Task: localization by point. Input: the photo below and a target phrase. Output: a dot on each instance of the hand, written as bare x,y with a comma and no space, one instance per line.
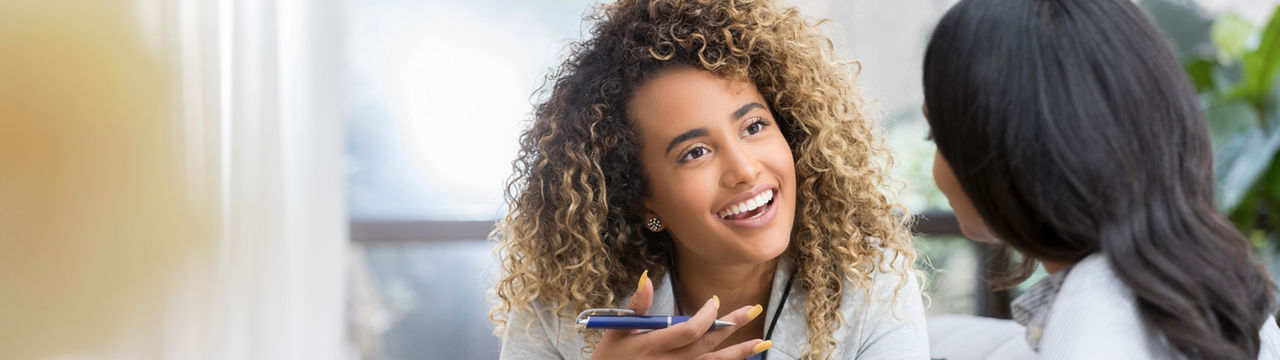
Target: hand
691,339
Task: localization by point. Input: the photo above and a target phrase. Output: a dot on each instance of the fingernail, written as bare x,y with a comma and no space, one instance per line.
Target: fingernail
761,347
643,276
716,299
754,312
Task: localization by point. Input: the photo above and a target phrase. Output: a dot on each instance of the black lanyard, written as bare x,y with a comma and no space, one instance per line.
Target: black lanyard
777,313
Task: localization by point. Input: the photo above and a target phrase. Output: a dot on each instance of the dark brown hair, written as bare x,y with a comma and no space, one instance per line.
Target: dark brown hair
1074,130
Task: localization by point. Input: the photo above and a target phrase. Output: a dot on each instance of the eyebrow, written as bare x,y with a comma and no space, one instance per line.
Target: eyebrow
742,111
700,132
695,133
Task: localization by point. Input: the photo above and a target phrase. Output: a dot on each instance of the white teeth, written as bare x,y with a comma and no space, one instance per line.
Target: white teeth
748,205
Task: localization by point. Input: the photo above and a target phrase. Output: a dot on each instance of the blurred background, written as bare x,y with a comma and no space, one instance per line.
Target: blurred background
339,164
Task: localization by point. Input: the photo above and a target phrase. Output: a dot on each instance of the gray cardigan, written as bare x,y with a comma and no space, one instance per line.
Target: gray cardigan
875,328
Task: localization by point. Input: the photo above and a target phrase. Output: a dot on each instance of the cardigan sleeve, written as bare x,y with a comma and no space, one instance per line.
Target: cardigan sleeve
892,324
531,335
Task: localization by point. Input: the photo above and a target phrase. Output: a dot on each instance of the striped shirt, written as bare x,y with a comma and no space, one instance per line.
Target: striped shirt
1031,309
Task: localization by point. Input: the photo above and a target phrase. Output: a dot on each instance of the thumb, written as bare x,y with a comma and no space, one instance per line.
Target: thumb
643,297
639,303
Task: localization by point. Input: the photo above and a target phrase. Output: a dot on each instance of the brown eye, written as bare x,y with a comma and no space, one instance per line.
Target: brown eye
694,154
756,127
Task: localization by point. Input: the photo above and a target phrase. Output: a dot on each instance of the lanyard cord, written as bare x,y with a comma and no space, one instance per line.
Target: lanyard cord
777,313
768,335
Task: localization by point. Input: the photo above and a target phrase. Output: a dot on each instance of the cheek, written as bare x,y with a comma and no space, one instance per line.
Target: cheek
683,197
941,174
778,155
971,224
945,178
780,166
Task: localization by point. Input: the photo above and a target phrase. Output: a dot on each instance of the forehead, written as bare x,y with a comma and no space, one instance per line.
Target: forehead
678,99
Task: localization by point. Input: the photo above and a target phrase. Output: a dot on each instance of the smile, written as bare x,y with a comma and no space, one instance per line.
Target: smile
751,210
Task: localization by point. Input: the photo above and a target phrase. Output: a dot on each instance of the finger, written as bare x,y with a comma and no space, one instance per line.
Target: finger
643,297
712,338
682,334
740,350
639,303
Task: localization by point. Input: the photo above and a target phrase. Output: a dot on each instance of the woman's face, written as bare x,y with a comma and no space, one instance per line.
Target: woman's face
721,176
971,224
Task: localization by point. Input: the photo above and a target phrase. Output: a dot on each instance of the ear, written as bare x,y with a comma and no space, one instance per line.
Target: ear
651,220
645,210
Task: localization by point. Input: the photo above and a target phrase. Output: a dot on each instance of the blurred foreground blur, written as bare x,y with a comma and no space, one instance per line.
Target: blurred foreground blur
168,188
94,208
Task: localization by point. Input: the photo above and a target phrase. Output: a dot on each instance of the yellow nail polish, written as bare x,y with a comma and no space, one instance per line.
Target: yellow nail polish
761,347
643,276
754,312
716,300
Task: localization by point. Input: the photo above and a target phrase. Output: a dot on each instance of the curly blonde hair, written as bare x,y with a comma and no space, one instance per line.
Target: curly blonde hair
573,198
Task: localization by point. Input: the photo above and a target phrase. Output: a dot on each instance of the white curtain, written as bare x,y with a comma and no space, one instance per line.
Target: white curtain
257,88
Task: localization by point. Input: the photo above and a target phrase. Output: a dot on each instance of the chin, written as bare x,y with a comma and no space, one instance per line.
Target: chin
770,249
978,234
751,252
776,241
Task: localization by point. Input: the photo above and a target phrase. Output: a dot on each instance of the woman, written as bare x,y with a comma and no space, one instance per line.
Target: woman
1067,130
719,148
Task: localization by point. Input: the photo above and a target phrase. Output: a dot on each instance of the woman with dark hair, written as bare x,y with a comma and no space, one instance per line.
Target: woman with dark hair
1067,130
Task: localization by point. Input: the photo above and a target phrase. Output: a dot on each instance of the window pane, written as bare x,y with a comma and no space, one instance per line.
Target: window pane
435,97
424,300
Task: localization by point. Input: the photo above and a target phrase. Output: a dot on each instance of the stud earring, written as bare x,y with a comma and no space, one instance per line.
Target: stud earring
655,225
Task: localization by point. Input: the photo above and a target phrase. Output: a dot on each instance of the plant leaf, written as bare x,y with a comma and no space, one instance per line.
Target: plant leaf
1228,119
1230,32
1262,63
1201,73
1242,159
1184,23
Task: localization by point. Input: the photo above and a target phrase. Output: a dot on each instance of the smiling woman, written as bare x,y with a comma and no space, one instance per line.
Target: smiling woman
705,186
721,147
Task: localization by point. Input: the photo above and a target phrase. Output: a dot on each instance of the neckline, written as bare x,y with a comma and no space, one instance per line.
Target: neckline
777,313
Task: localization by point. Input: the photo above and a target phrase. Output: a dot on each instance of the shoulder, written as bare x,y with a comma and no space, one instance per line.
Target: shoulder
540,334
1270,337
1092,285
881,319
893,282
1094,316
886,318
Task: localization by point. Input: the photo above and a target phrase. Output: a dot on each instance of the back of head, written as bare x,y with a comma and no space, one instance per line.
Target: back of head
1070,125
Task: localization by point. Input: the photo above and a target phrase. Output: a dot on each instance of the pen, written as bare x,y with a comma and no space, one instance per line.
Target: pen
640,322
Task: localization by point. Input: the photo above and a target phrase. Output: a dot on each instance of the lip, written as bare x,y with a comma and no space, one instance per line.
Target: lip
760,221
759,189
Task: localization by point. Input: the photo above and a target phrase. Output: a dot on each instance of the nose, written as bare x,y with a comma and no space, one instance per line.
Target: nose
740,166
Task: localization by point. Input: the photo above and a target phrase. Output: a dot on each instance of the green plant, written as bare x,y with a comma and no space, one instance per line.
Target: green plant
1233,65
